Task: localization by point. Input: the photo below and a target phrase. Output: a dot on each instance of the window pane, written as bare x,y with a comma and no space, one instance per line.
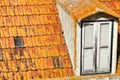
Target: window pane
88,61
104,34
104,60
88,34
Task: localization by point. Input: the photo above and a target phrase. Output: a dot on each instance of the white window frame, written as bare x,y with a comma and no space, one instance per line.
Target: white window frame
96,33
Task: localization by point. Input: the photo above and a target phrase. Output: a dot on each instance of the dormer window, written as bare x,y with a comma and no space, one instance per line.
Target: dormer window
96,47
18,41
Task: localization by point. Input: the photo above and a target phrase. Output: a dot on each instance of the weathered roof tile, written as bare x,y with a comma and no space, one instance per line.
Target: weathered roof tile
80,9
12,31
1,21
34,10
24,20
10,10
13,2
57,28
50,63
49,29
37,22
4,2
26,53
43,52
3,11
63,50
66,61
6,32
22,2
15,20
41,63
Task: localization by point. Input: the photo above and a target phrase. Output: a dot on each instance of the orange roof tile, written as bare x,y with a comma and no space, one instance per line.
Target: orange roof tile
37,22
80,9
114,5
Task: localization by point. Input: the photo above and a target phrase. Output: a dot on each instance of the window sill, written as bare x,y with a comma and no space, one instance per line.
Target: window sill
99,76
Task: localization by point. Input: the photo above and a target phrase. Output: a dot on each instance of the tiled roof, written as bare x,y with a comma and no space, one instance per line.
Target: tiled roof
80,9
114,5
44,54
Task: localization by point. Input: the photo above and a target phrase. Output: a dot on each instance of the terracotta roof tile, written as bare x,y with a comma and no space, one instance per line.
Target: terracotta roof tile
43,52
22,2
43,19
34,10
26,53
8,21
57,28
16,20
36,41
34,20
49,63
19,10
53,51
27,10
12,31
42,74
62,40
2,32
69,71
66,61
37,22
24,20
40,63
21,31
49,29
41,30
6,32
10,10
30,30
3,11
52,9
16,53
4,2
13,2
7,43
63,50
82,8
33,53
27,41
1,21
28,75
10,75
2,43
113,5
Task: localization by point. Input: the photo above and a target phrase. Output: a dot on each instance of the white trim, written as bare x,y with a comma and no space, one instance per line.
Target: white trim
114,50
78,49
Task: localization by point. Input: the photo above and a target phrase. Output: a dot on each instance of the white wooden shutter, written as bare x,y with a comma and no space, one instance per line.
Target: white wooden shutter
103,49
88,64
96,47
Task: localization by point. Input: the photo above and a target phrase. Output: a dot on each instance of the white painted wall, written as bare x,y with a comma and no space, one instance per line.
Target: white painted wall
115,38
78,49
68,29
